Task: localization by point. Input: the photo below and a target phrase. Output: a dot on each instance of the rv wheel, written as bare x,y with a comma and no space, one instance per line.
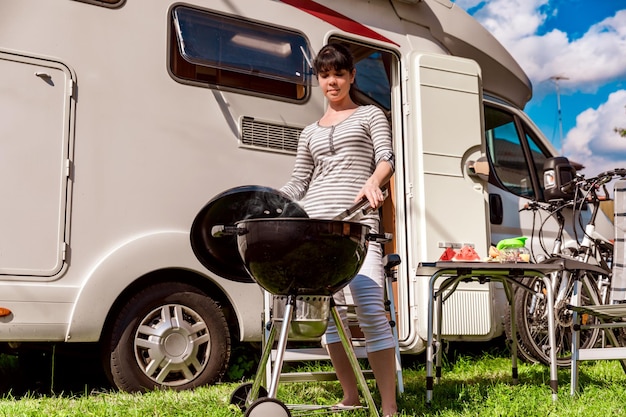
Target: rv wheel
169,335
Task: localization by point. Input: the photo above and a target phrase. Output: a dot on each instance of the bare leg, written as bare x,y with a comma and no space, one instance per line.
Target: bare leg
345,374
383,363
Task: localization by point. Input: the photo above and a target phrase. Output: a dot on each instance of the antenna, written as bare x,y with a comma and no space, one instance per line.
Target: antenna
556,79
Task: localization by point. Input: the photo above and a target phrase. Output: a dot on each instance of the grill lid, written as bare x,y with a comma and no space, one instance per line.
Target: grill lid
220,254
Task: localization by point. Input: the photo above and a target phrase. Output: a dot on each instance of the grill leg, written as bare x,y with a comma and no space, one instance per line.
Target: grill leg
282,345
260,373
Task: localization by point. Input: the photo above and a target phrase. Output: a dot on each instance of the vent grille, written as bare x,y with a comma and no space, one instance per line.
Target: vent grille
264,135
467,313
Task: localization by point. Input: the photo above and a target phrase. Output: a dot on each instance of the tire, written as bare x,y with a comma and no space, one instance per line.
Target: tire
239,397
169,335
532,322
267,407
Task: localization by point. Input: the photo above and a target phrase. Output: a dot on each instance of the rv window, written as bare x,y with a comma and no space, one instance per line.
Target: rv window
372,78
517,159
506,153
538,158
106,3
227,51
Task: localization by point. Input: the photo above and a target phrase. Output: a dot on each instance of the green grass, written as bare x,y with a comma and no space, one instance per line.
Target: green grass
472,385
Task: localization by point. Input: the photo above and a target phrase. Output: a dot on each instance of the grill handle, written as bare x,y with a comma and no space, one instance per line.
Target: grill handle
221,230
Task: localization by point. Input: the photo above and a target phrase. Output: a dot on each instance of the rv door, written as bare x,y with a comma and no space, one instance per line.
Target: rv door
447,205
34,164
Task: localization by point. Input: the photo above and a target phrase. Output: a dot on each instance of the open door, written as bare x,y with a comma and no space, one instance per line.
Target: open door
446,202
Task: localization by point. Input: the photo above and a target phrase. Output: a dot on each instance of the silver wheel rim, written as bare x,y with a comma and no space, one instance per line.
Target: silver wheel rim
172,345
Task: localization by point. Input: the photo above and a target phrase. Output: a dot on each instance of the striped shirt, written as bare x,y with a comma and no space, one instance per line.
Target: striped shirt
334,162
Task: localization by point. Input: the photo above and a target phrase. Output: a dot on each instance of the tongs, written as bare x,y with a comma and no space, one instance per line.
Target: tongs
361,207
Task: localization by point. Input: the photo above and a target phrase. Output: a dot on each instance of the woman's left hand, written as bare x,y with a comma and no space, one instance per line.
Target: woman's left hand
371,190
373,194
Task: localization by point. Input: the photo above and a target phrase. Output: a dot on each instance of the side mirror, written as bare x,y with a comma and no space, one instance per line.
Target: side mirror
557,172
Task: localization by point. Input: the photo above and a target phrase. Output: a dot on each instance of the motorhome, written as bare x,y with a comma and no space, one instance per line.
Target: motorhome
121,119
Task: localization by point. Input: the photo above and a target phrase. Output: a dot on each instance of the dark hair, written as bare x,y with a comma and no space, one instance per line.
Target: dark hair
333,56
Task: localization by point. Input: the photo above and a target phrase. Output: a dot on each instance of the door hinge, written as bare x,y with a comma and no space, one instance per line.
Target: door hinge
64,252
71,88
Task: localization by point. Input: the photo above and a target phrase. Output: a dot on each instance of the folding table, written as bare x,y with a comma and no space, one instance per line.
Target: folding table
508,274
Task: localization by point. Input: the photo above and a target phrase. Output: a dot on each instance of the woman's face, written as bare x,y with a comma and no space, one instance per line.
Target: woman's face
335,84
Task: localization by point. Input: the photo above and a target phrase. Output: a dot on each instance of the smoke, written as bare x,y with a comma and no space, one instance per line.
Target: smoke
269,203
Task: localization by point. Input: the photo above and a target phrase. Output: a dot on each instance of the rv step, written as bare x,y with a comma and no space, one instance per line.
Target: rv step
314,354
317,376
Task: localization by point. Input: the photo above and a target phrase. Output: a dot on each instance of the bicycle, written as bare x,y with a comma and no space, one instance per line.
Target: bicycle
594,249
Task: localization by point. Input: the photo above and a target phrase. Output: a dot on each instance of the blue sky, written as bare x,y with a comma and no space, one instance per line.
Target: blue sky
582,41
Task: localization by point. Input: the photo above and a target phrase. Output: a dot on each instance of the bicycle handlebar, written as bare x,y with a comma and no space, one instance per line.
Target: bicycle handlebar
550,206
585,192
592,183
580,182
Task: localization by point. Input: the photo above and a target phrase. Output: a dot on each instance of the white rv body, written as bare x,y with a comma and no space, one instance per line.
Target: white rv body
108,153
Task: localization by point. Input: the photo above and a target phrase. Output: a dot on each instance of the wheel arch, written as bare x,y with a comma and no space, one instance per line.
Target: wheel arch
147,260
178,275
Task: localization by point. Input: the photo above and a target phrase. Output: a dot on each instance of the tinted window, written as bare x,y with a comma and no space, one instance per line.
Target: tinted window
227,51
372,78
538,158
517,159
105,3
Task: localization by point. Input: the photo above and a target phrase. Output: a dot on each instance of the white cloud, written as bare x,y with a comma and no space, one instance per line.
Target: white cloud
594,142
511,20
595,58
589,61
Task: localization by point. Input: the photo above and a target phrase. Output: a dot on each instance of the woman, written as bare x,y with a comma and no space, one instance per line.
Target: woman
345,156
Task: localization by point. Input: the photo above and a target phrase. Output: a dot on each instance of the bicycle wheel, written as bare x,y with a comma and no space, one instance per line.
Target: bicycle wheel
532,320
523,352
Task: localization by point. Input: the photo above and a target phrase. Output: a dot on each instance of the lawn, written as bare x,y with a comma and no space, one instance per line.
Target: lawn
474,383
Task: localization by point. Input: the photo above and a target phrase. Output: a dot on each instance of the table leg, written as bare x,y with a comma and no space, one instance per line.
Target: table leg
575,300
429,341
439,342
554,382
508,290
